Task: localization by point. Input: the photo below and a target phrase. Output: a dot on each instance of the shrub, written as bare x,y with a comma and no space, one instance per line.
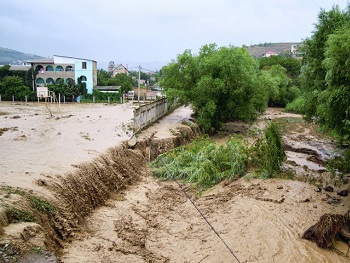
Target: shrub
268,154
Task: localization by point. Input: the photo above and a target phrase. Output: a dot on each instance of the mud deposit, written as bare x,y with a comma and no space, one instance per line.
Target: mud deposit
112,209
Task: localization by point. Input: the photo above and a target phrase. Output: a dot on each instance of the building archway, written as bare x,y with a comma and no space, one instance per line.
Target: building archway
40,81
40,69
59,80
69,81
49,68
83,78
69,68
59,68
49,81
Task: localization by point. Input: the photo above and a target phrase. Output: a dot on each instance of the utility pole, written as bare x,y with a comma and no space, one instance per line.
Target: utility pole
138,95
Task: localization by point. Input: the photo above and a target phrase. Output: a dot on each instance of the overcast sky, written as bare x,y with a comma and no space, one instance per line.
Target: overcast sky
143,31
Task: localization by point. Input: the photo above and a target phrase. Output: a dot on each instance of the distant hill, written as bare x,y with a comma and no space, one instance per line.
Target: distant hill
261,49
13,57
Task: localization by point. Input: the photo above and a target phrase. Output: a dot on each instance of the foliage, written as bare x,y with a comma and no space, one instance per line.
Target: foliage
124,81
325,73
41,205
102,77
14,86
337,64
15,215
36,202
296,106
291,65
70,91
341,163
267,153
102,97
278,85
220,83
203,163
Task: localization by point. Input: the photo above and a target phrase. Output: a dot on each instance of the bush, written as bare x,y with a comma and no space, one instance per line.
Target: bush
296,106
268,154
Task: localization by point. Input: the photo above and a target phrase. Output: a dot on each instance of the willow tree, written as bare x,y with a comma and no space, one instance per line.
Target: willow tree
221,84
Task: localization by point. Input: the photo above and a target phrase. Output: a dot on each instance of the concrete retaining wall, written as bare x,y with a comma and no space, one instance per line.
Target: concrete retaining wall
149,113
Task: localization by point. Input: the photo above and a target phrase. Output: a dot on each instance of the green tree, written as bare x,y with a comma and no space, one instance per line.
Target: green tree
124,81
291,65
220,83
337,95
313,73
280,90
14,86
103,77
325,74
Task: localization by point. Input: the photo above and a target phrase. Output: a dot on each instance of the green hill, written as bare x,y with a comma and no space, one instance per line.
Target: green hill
13,57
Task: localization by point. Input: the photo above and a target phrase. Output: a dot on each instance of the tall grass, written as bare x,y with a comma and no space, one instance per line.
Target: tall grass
268,154
204,163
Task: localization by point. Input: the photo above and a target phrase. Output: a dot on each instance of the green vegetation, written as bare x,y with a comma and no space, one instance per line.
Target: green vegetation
297,105
325,73
204,164
41,205
15,86
36,202
10,253
69,90
101,97
15,215
340,165
267,153
105,78
217,89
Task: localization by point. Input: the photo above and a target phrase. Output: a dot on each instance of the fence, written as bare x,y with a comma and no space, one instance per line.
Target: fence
59,98
149,113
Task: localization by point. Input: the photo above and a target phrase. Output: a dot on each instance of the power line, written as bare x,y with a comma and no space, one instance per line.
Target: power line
192,202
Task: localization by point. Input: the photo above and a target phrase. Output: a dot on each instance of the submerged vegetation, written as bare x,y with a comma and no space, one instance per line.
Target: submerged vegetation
203,163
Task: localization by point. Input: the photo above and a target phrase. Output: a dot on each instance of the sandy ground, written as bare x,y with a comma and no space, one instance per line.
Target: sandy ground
153,221
39,145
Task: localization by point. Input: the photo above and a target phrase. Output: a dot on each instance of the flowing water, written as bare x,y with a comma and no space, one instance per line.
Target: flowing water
116,211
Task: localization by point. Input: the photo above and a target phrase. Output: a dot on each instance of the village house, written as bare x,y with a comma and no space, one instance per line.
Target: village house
117,69
66,69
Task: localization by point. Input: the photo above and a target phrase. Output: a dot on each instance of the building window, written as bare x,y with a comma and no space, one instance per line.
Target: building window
83,65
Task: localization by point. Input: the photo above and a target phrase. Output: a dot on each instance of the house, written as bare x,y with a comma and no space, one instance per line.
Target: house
120,69
66,69
117,69
269,54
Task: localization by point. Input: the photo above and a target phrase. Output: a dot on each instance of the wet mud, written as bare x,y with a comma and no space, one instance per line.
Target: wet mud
112,209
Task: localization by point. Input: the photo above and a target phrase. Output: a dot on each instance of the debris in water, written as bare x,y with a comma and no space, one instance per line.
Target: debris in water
324,232
328,188
343,192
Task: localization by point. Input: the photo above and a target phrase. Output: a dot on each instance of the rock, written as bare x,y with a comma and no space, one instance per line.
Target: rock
318,190
280,187
343,192
328,188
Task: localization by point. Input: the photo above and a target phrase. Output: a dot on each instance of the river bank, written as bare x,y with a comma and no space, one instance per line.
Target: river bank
147,220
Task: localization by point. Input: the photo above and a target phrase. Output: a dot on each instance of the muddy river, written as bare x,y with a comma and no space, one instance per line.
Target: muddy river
148,220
